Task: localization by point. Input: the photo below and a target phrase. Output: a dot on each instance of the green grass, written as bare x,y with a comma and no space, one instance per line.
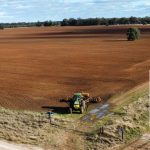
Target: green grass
133,133
124,99
119,112
130,96
69,116
144,121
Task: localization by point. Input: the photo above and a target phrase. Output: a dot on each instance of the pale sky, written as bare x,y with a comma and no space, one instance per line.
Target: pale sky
34,10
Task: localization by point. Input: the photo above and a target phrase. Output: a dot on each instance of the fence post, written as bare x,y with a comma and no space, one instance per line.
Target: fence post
101,130
121,132
50,116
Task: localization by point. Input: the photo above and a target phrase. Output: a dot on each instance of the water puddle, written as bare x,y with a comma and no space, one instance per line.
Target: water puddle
97,113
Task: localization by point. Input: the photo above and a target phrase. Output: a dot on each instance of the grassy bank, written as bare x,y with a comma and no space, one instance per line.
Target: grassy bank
131,111
34,128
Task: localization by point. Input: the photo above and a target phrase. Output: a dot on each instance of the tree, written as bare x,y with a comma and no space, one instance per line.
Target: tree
38,24
134,20
133,34
47,23
65,22
123,20
72,22
1,27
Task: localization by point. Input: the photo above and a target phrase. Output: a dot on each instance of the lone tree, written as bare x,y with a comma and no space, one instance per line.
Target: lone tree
133,34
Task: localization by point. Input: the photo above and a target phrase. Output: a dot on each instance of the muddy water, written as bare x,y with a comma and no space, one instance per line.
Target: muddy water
97,113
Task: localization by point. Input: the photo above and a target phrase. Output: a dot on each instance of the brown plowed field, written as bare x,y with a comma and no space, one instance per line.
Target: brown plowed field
40,65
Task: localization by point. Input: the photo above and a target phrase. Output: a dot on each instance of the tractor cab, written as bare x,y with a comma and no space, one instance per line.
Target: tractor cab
76,102
77,97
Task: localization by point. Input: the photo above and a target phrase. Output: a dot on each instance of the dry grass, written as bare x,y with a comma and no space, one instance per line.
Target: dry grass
34,128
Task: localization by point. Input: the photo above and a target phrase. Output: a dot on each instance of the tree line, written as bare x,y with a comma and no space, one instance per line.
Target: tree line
105,21
80,22
29,24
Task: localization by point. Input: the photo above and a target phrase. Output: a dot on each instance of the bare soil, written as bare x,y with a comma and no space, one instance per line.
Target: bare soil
38,66
11,146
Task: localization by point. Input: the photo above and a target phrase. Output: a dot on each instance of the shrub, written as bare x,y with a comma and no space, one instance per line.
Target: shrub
133,34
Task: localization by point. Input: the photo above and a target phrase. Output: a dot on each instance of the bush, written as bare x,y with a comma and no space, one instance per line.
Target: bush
133,34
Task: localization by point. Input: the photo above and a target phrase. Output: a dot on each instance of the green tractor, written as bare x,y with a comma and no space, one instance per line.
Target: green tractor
78,102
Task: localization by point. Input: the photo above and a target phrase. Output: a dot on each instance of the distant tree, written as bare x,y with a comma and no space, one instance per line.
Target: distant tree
104,21
38,24
133,34
113,21
56,23
134,20
65,22
146,20
1,27
81,22
72,22
47,23
123,20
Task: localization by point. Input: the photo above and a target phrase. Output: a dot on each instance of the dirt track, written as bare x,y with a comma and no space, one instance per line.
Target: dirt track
141,144
9,146
40,65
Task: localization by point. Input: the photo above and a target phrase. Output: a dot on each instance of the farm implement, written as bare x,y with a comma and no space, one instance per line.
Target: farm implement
79,102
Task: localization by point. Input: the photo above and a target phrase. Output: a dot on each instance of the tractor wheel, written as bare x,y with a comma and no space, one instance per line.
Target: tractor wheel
83,104
98,100
81,110
70,109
